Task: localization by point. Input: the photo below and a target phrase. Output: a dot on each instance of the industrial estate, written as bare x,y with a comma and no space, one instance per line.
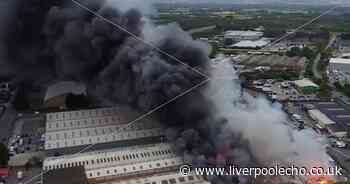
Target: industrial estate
92,92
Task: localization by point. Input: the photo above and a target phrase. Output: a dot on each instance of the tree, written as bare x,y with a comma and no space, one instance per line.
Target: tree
308,53
327,53
294,51
325,89
214,50
338,85
304,52
4,155
343,88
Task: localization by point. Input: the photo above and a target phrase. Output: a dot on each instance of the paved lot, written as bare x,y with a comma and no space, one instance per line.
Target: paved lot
6,123
29,130
272,61
341,98
296,108
27,176
284,93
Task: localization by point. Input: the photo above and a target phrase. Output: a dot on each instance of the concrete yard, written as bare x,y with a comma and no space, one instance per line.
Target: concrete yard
274,61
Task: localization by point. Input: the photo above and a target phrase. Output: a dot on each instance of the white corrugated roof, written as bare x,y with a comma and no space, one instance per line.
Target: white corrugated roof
120,162
64,87
319,116
68,141
251,44
136,168
84,127
112,157
305,83
339,61
345,55
89,118
244,33
82,114
171,178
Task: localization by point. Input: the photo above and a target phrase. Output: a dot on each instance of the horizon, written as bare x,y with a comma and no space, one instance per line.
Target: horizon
283,2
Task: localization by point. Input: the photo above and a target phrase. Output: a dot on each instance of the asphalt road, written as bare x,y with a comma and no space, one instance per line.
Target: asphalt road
6,122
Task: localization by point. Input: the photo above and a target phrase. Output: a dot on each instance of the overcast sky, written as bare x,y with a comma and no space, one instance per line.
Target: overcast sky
265,1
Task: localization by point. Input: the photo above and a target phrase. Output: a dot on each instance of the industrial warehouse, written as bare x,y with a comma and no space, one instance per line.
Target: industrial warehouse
331,116
245,39
67,132
114,155
306,86
118,163
339,69
243,35
339,64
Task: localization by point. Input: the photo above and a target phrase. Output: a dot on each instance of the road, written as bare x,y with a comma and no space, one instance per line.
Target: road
6,122
315,70
27,175
315,64
342,98
201,29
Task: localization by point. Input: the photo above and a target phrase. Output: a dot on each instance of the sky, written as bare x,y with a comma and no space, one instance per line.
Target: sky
264,1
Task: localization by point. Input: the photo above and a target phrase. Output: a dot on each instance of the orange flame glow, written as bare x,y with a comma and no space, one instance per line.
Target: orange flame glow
320,180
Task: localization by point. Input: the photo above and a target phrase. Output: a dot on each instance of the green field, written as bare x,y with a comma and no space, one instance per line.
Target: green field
275,23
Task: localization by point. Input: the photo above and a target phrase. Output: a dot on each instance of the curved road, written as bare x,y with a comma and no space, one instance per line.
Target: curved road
201,29
315,64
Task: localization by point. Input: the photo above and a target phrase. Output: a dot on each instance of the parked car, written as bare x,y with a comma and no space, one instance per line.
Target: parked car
337,143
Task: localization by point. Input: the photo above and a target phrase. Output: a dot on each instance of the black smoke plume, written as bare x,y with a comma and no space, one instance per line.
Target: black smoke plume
55,39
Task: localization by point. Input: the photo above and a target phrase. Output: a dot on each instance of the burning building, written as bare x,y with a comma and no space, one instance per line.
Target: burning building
56,94
58,40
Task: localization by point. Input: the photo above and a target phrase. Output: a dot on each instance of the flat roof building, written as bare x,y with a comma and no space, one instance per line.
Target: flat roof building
111,157
332,116
339,69
249,44
154,163
166,178
339,64
306,86
243,35
320,118
114,161
100,127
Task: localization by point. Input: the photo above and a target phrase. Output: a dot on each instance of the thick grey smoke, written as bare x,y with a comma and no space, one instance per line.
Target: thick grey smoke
263,124
57,40
145,7
6,14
